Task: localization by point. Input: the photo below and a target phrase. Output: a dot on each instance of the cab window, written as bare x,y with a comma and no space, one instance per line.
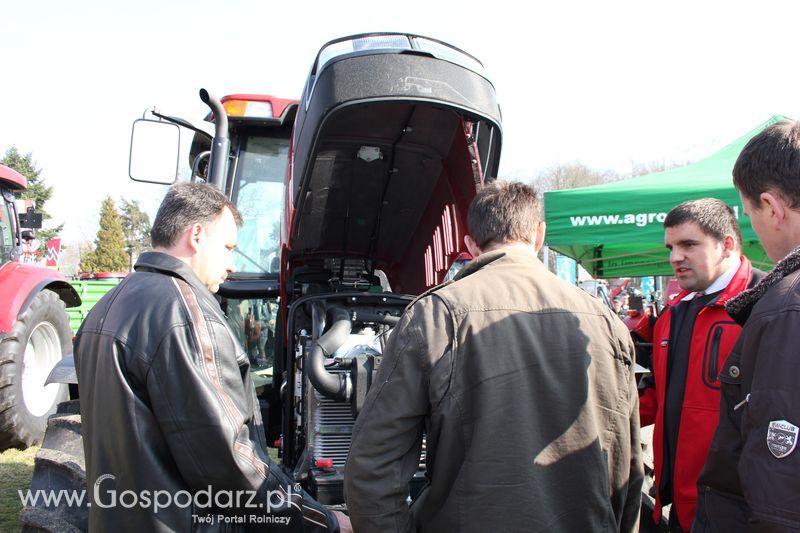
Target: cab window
258,194
6,232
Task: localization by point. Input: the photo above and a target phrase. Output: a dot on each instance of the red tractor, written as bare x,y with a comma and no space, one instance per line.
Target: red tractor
34,327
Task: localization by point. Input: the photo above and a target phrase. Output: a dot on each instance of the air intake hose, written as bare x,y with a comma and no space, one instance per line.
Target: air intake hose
334,386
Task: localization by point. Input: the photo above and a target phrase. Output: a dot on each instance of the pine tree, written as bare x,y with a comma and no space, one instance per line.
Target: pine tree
109,253
136,225
37,190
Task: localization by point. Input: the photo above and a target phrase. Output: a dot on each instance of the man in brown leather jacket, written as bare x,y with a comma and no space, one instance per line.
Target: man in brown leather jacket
172,431
524,387
751,479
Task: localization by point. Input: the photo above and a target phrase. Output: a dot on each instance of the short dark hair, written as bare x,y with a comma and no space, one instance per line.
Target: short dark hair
770,161
186,204
713,216
504,211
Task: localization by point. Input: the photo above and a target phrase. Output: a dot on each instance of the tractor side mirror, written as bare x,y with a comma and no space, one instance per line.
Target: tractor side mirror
155,151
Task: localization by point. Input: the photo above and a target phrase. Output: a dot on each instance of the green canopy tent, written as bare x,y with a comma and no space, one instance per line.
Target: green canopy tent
616,230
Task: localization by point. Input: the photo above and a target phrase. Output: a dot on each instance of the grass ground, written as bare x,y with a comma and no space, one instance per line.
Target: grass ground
16,470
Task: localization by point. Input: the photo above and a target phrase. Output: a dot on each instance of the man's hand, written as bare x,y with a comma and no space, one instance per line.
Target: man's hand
344,522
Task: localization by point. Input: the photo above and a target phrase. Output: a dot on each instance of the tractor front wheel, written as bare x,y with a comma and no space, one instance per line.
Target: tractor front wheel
30,350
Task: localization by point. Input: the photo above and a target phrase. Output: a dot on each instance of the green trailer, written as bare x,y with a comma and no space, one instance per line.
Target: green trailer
90,291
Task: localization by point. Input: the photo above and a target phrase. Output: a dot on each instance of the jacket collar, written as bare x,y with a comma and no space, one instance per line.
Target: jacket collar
171,266
506,253
739,307
735,286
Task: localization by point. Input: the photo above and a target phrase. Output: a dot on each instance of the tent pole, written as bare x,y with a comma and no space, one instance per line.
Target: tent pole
546,256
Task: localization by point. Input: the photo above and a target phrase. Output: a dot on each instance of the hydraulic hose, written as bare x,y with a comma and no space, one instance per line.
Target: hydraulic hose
334,386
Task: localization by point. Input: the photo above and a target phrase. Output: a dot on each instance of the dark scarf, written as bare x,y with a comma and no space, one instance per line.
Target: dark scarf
740,306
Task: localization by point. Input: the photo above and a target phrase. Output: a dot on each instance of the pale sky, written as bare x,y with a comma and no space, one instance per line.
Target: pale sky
603,83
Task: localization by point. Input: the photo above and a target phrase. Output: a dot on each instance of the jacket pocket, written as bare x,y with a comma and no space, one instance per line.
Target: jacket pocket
720,339
733,401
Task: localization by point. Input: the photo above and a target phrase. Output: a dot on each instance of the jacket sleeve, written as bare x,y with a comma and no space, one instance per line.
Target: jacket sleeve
631,510
387,436
205,413
770,460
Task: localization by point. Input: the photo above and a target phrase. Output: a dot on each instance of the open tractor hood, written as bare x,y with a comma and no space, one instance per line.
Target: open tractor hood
394,135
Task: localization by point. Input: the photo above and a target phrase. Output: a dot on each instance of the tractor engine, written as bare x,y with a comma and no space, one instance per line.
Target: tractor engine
338,340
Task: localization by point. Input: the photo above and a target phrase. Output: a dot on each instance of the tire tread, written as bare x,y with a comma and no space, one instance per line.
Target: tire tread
59,465
17,429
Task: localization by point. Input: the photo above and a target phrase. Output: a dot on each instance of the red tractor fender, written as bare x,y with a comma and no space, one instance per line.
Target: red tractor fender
19,285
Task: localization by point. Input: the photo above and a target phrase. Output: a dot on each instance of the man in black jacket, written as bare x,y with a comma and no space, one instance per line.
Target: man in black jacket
172,432
751,479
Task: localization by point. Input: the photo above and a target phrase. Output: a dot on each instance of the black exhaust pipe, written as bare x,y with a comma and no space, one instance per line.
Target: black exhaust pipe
334,386
218,164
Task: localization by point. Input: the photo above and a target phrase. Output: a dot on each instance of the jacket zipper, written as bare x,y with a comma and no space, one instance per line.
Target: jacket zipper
714,355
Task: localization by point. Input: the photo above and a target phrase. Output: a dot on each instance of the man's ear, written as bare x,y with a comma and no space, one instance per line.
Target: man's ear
194,235
728,245
472,246
776,206
538,241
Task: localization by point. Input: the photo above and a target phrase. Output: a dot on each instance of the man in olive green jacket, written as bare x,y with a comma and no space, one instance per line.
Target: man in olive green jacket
524,386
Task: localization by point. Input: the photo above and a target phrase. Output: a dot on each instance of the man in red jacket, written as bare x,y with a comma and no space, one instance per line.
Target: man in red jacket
691,341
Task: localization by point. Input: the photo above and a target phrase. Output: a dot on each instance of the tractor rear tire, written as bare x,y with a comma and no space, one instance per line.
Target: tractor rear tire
59,466
34,344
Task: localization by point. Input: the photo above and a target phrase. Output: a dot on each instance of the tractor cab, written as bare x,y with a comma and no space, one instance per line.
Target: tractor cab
257,134
10,230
